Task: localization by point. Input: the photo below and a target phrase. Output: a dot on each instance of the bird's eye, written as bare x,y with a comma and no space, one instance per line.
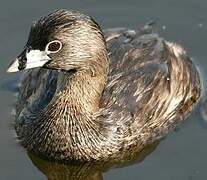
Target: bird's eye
53,47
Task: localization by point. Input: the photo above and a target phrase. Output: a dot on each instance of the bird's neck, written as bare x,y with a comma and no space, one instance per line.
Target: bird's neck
73,110
81,90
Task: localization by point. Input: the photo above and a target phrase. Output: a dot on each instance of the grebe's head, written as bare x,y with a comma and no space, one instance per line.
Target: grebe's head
63,40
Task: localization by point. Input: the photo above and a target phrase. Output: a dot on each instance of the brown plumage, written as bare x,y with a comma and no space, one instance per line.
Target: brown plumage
88,103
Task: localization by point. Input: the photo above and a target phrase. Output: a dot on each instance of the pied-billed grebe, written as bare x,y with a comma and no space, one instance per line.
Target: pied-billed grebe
87,103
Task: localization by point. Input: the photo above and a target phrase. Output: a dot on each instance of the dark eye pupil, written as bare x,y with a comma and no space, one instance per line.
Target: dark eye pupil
54,46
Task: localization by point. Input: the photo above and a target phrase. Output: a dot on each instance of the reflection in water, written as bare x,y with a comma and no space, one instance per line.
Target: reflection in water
70,171
86,170
204,109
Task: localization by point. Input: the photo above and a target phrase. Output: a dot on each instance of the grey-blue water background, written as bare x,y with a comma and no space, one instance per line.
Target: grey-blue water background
182,155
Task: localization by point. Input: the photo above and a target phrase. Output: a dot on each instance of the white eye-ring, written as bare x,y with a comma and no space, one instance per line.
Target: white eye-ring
53,47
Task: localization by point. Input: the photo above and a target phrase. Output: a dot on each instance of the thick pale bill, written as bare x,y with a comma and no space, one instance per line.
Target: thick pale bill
35,58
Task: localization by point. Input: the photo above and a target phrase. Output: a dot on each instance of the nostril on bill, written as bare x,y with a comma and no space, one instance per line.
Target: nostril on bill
22,60
22,65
